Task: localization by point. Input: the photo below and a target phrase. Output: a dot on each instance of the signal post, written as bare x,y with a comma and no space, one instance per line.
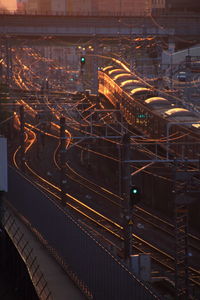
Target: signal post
125,187
131,195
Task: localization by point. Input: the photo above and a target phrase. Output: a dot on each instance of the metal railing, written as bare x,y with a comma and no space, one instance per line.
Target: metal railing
27,254
141,13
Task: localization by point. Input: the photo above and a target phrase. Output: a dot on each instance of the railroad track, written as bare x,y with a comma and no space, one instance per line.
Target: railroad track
111,231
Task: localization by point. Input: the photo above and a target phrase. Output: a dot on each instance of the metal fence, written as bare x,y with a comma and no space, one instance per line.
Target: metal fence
27,254
103,275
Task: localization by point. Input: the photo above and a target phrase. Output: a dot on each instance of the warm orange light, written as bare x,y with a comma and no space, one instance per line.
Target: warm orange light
9,4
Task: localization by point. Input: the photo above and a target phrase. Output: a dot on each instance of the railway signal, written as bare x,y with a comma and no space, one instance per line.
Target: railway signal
135,195
82,60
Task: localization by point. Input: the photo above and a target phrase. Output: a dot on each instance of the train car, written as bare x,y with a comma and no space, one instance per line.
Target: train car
195,67
122,77
151,118
107,68
142,93
130,84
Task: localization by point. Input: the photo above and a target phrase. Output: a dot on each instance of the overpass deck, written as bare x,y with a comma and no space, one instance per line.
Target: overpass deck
50,280
99,26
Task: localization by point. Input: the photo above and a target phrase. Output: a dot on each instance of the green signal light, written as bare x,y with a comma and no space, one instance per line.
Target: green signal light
134,191
82,60
135,196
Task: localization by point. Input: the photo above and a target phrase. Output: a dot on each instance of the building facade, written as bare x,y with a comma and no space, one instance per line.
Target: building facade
183,5
59,6
44,6
91,7
124,7
31,6
158,6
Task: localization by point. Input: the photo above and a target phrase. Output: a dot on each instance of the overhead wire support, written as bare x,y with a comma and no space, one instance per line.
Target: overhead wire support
22,142
125,188
184,192
63,180
181,231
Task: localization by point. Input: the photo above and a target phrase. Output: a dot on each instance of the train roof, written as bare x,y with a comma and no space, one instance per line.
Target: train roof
140,89
129,82
107,68
123,76
116,71
160,101
196,125
179,112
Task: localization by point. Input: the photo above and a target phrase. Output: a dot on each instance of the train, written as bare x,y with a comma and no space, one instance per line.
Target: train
156,115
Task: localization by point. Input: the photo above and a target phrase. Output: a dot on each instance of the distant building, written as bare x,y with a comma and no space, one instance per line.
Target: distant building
58,6
158,6
81,7
92,7
32,6
21,6
44,6
183,5
112,7
125,7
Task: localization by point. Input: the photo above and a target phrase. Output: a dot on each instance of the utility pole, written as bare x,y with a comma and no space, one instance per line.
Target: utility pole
8,52
3,176
3,190
95,84
183,192
22,143
125,189
181,250
62,161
